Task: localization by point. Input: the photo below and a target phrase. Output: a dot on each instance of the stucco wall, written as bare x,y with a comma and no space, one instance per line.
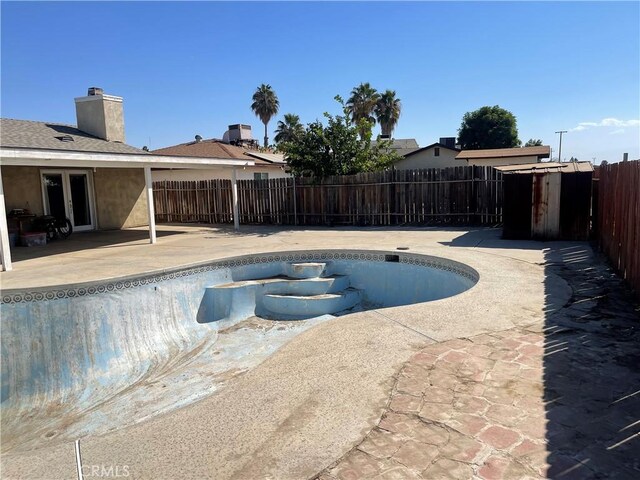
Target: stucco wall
22,188
212,173
427,159
496,162
120,198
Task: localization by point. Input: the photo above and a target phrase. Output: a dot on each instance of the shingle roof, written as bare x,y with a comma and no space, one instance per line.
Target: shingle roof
214,148
205,148
403,146
542,152
47,136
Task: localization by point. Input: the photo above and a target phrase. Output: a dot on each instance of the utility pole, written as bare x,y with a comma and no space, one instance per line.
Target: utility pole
560,147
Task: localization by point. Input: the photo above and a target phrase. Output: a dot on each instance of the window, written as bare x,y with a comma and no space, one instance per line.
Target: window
261,176
436,152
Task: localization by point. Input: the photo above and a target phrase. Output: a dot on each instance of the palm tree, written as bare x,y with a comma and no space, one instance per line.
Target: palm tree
289,129
265,105
362,103
387,111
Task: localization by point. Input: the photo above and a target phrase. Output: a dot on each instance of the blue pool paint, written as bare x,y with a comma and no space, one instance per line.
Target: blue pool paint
76,360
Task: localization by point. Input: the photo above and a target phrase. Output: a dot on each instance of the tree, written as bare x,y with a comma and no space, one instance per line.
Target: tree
488,127
387,111
336,149
289,128
361,105
533,143
265,105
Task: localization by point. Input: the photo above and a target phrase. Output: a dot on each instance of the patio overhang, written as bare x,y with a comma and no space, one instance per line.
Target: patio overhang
27,157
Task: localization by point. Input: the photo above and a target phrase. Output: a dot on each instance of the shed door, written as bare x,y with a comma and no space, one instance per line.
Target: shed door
545,215
517,206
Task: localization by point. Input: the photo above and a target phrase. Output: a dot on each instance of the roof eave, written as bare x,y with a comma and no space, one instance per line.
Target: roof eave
71,158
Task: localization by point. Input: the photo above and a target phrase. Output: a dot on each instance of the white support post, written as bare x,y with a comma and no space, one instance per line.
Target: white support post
5,250
150,208
234,190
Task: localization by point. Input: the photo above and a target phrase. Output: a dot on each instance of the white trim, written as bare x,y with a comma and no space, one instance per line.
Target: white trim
5,249
60,158
234,191
150,207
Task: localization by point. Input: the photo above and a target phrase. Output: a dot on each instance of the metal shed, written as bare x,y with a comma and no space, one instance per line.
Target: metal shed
547,201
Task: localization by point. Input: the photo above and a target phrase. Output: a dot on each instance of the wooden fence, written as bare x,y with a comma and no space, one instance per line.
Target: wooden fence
618,211
459,195
207,201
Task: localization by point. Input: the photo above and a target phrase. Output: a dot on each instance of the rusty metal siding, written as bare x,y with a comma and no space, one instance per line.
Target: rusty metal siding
545,200
548,205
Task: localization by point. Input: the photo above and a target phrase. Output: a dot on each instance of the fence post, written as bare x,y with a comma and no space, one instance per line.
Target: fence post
295,206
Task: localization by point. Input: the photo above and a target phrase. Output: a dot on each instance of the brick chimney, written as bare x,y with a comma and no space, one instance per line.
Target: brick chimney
101,115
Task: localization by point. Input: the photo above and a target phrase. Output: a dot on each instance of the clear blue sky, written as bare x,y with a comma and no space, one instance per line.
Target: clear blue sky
191,68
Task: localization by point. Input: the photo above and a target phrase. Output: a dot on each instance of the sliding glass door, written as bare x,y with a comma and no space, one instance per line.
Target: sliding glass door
69,194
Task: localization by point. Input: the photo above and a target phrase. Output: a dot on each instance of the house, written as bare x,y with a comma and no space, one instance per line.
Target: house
441,154
265,165
86,172
503,156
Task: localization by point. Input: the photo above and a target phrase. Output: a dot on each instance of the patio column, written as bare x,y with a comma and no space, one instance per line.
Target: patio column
5,251
234,191
150,209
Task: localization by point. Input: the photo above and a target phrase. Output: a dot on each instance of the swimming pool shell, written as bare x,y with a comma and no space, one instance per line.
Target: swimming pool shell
84,343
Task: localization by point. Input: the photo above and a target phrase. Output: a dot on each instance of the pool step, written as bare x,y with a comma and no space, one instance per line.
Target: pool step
305,269
302,290
286,285
304,306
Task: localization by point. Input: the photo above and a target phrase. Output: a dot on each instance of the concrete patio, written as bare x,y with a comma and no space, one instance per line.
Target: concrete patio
533,373
94,256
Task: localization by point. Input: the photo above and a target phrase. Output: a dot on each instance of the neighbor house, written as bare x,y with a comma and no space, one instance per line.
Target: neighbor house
86,173
441,154
236,146
496,157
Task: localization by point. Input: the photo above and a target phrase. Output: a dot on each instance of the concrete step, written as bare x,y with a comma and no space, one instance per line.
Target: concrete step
305,306
288,285
242,299
305,269
308,286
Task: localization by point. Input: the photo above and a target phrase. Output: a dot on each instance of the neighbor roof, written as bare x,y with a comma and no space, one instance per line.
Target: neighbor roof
403,146
547,167
211,148
272,158
56,136
214,148
437,144
541,152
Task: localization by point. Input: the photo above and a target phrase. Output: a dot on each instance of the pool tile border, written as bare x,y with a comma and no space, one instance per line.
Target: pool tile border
92,288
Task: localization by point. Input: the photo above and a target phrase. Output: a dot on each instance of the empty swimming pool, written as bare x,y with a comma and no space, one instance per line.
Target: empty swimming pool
90,358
